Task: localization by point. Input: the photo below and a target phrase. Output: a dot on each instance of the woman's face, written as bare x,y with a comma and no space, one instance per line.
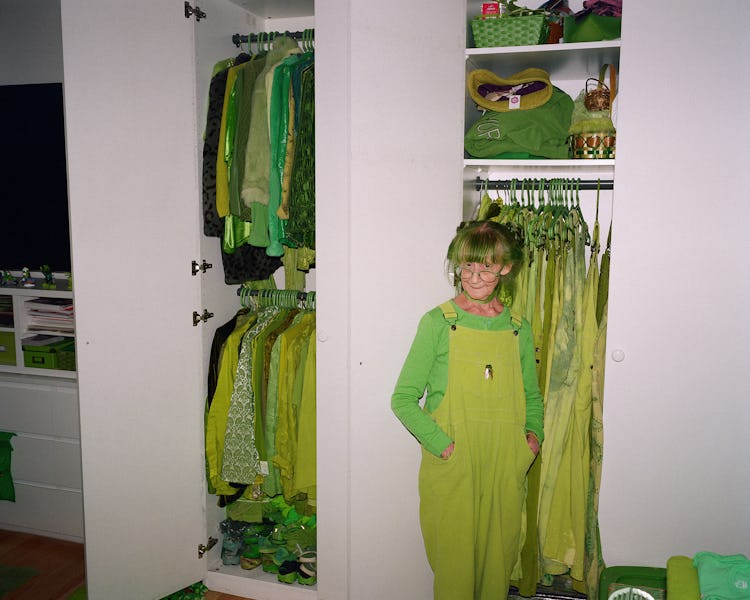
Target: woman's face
479,280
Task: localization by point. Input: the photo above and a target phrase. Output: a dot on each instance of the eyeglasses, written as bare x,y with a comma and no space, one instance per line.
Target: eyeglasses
486,275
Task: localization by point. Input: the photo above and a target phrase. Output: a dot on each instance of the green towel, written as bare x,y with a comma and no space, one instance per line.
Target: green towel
682,579
14,577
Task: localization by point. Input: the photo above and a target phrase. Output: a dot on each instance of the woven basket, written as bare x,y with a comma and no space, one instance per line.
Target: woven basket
598,144
601,96
492,32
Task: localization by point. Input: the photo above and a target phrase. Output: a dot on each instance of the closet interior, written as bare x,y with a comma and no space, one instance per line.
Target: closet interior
258,201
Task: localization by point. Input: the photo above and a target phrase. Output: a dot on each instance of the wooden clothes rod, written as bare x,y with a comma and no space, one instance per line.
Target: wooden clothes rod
576,184
237,38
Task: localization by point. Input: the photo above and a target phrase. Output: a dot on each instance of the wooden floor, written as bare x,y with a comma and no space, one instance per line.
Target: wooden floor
60,565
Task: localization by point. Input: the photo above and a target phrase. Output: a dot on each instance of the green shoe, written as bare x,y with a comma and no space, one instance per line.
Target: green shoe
288,572
268,565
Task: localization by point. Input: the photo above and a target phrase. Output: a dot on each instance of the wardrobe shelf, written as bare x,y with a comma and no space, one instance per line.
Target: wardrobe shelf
562,61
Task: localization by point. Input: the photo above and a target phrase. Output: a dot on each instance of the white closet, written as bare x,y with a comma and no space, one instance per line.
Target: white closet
389,78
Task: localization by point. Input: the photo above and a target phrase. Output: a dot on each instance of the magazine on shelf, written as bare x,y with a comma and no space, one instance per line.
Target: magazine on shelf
41,340
50,305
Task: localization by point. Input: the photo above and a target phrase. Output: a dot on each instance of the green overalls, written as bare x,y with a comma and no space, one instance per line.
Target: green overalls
471,504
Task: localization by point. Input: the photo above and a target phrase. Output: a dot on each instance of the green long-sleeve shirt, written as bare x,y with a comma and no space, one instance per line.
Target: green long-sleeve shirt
425,374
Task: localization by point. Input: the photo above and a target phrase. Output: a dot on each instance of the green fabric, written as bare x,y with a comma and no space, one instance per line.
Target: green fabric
305,473
255,182
723,577
216,421
425,371
541,131
591,28
682,579
7,489
241,463
243,90
300,229
272,482
471,503
593,559
584,120
257,375
236,233
292,343
279,135
12,577
565,453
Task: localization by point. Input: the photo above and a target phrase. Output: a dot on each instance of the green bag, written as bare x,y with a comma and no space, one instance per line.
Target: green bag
591,28
540,132
7,491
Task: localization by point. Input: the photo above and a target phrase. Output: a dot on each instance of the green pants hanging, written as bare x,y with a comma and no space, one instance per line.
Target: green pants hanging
471,503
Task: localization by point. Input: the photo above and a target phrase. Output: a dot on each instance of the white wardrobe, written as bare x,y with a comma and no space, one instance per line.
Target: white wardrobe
389,100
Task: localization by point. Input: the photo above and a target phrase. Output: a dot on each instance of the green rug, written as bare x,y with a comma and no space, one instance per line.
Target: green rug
13,577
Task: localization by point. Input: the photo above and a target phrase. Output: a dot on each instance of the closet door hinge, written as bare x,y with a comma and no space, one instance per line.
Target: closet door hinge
204,266
197,317
190,11
203,548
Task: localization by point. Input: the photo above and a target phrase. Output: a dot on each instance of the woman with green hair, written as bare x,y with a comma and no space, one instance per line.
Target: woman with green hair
480,425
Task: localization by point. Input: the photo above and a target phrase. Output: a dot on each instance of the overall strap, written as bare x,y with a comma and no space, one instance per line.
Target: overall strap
516,321
449,313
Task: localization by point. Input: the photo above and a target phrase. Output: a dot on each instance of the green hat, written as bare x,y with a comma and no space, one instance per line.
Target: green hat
538,89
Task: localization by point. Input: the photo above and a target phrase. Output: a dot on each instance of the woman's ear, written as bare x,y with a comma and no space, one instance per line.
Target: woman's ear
506,269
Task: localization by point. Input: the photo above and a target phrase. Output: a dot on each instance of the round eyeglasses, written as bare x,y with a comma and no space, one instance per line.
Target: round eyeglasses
486,275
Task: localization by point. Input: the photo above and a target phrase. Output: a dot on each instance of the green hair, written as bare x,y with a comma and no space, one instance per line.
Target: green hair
485,241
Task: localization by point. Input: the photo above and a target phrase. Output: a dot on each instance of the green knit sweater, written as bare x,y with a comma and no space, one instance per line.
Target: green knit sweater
425,373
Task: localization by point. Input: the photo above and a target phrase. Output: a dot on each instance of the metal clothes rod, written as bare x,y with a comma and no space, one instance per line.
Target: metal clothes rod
581,184
243,291
238,38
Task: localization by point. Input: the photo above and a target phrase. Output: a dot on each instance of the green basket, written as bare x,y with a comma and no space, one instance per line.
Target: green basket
491,32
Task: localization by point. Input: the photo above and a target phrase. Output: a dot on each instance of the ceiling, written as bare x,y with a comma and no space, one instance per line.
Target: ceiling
278,9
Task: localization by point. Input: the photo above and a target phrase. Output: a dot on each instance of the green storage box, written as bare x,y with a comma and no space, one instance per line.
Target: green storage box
66,356
44,357
643,577
7,348
591,28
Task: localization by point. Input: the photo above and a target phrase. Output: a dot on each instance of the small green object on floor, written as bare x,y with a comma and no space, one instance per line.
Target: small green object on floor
14,577
197,591
79,594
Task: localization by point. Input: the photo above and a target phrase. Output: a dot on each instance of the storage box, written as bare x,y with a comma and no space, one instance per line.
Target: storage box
7,348
43,357
492,32
641,577
66,356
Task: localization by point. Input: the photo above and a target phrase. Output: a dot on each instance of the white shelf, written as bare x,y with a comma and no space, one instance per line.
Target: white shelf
20,327
562,61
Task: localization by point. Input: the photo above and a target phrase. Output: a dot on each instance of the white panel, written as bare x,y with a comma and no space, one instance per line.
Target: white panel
44,511
676,409
130,117
47,461
39,408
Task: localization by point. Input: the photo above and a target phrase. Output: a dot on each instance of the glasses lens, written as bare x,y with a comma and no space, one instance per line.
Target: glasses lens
485,274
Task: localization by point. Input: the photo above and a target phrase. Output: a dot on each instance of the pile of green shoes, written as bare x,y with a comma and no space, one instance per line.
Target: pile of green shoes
284,543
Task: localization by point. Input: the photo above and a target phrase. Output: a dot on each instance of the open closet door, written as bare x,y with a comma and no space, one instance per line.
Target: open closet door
131,141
